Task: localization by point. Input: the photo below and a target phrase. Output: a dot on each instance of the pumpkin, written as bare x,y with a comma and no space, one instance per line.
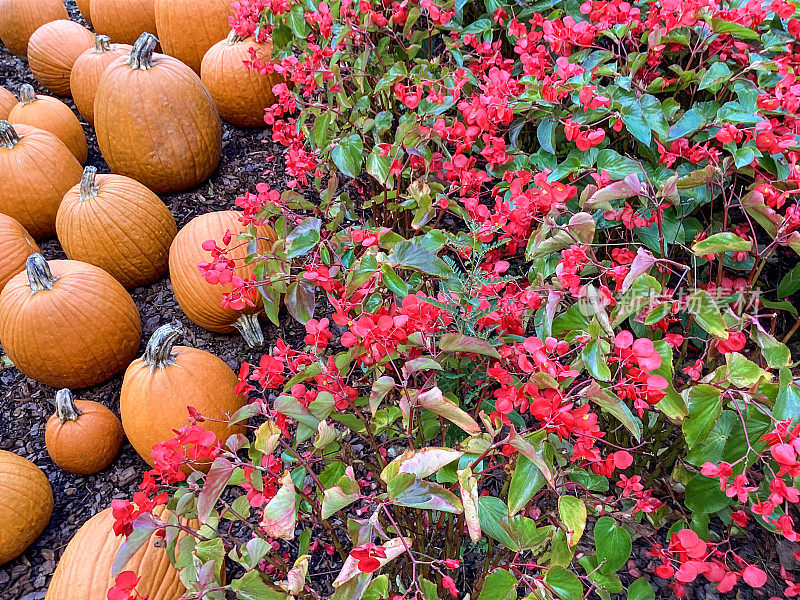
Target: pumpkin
209,20
201,300
87,71
86,12
50,114
36,170
118,224
67,323
158,388
7,102
16,245
26,504
123,20
84,571
52,51
156,121
22,17
240,93
82,437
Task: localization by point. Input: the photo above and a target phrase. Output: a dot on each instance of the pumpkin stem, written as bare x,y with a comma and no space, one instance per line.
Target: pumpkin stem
158,353
233,38
40,278
250,328
65,406
142,53
88,187
8,137
102,43
27,94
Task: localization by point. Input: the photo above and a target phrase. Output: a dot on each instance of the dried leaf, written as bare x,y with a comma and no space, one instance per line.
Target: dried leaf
280,514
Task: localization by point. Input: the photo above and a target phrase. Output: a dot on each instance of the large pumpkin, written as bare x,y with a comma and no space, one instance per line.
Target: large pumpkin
36,170
16,245
209,20
240,93
50,114
116,223
7,102
87,71
201,300
67,323
82,437
124,20
53,49
21,18
84,571
86,12
156,121
26,503
158,388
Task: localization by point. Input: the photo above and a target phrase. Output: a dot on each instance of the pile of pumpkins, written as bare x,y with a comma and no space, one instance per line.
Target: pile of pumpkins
72,324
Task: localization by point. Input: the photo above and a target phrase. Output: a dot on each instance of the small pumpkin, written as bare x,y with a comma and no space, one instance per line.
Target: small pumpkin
16,245
84,571
22,17
50,114
7,102
123,20
36,170
53,49
116,223
240,93
67,323
85,9
199,299
26,504
87,71
82,437
156,121
209,21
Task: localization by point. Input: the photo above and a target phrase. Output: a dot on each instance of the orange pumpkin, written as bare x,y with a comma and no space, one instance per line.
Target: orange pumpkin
21,18
83,6
50,114
209,21
240,93
36,170
26,504
123,20
53,49
67,323
7,102
87,71
199,299
16,245
158,388
82,437
156,121
118,224
84,571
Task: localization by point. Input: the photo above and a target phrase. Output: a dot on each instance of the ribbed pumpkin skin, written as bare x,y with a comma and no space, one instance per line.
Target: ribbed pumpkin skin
80,333
197,298
7,101
26,503
83,6
158,126
123,20
239,93
53,49
152,404
84,571
23,17
50,114
209,19
86,74
87,445
16,245
125,229
34,176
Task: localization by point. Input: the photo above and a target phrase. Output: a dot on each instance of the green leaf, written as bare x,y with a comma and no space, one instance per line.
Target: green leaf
491,510
633,118
411,256
499,585
701,304
775,353
564,583
349,154
618,166
740,31
717,74
721,242
344,493
742,372
595,362
303,237
613,544
704,496
641,590
690,122
526,480
790,282
323,129
545,133
569,166
609,402
393,281
787,404
572,511
409,490
705,408
525,533
297,21
458,342
378,166
250,586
